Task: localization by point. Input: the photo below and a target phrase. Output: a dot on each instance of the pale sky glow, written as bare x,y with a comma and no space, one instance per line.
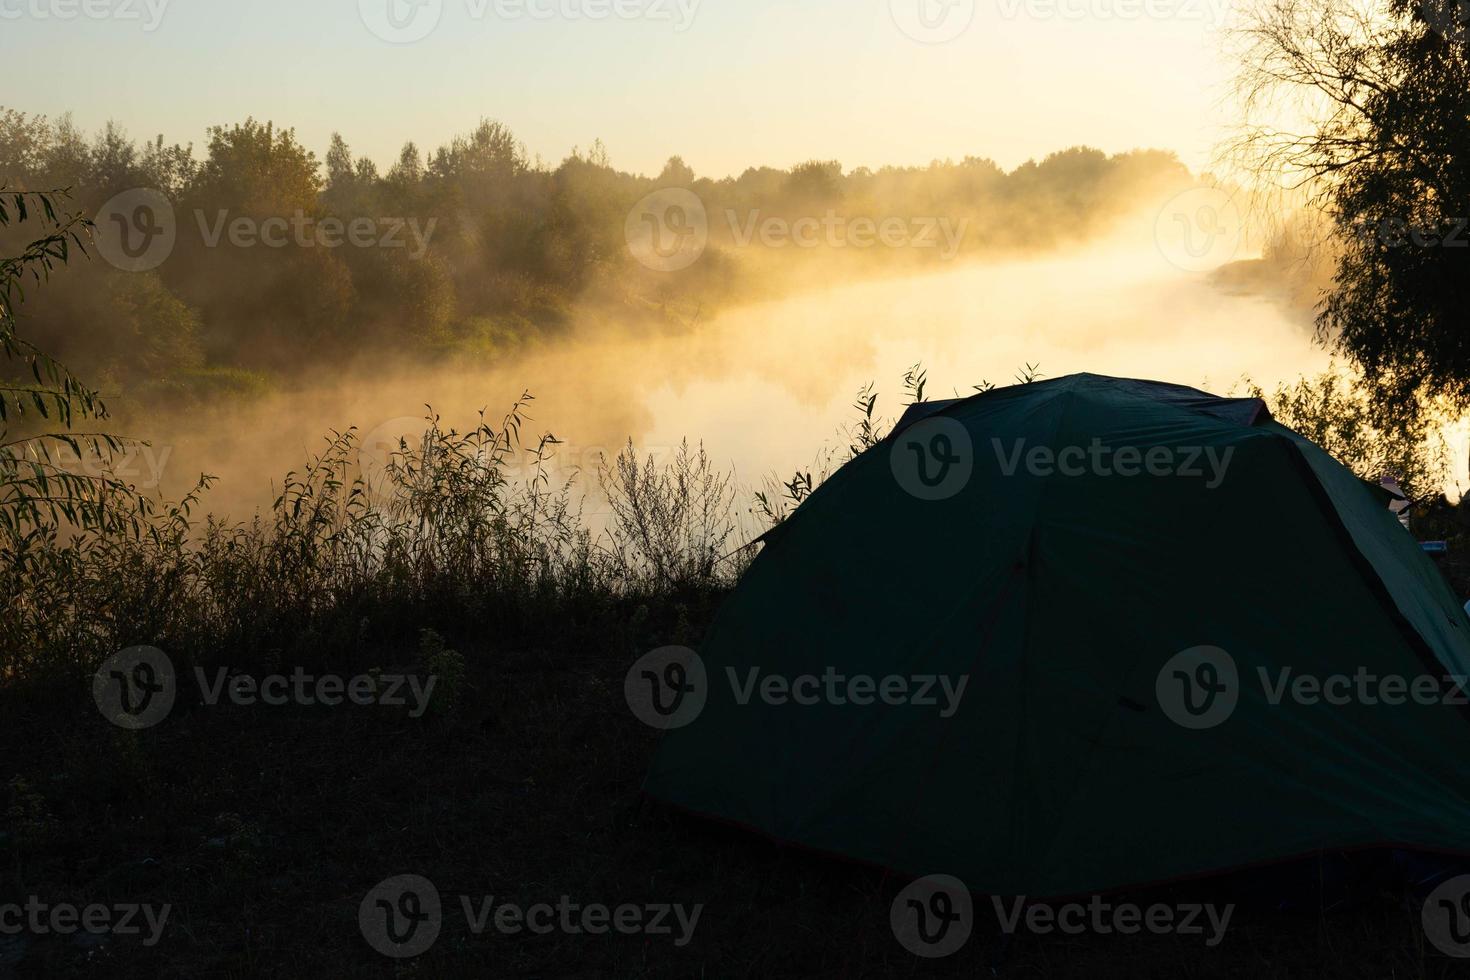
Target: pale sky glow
744,82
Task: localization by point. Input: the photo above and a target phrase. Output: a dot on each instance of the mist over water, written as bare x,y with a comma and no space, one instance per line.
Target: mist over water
766,385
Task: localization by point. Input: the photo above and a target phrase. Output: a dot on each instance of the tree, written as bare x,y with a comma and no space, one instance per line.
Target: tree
24,140
815,181
41,405
114,163
256,170
349,184
259,306
490,152
1386,153
66,158
409,169
676,173
169,169
340,172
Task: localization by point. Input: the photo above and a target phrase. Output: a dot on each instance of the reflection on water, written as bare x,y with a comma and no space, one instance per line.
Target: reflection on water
765,386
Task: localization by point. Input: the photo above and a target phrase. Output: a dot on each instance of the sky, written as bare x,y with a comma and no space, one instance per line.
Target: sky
726,84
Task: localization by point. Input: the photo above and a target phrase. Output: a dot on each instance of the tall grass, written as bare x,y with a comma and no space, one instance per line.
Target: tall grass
440,537
453,531
465,534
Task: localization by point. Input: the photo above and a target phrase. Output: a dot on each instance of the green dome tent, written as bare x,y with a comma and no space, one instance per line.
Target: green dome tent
1064,637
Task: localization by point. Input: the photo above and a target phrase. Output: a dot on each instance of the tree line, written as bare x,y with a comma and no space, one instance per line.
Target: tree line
493,249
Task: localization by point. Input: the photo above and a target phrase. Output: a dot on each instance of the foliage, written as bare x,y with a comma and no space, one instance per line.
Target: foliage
361,548
447,668
1337,411
1385,92
671,524
514,241
464,528
41,405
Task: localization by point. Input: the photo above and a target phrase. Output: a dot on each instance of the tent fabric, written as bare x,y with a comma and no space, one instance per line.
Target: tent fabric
1061,599
919,411
1246,411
